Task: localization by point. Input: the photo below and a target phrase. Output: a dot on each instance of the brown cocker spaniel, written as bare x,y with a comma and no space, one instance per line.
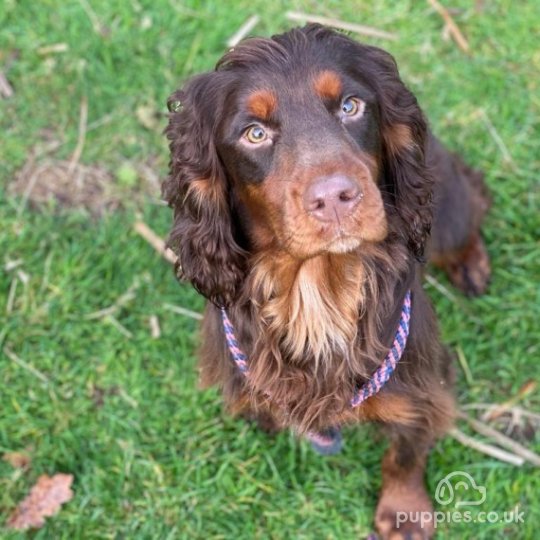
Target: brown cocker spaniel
307,192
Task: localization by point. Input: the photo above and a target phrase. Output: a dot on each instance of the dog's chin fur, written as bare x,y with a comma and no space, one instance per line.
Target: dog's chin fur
313,303
344,245
338,246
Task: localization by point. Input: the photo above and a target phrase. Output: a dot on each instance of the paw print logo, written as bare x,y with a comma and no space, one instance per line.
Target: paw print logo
457,484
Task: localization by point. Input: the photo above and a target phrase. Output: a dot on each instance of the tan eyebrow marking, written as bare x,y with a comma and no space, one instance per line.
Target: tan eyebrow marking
327,85
262,104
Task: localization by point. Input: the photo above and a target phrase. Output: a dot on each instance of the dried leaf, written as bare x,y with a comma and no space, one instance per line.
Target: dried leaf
44,500
18,460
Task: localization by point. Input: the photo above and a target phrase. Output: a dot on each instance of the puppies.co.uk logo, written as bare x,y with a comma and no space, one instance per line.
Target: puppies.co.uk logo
460,489
454,485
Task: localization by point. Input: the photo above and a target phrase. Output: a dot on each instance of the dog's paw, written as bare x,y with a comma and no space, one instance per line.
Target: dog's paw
404,516
471,271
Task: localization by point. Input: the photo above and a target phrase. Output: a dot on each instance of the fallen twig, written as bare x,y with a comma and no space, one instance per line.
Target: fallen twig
452,297
498,410
183,311
159,245
243,31
155,330
96,24
490,407
6,90
28,190
12,264
83,120
155,241
53,49
503,149
120,302
441,288
465,366
11,295
487,449
127,398
453,28
119,326
343,25
25,365
502,440
526,413
23,276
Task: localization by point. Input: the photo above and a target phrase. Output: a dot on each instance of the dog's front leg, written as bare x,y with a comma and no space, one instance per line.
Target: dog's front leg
405,510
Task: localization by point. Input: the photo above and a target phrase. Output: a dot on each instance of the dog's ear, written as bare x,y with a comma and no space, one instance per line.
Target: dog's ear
197,189
404,136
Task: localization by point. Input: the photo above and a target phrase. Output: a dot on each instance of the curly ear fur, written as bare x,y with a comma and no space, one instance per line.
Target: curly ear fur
404,134
196,188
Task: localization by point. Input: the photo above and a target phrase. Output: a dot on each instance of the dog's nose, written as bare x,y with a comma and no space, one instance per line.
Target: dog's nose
332,198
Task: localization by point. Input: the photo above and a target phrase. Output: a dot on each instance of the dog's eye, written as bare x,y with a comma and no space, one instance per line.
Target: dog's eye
256,134
352,107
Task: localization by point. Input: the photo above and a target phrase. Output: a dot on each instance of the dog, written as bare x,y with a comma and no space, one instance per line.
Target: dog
308,192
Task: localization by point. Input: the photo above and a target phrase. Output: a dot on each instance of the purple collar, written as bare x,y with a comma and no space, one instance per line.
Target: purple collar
379,377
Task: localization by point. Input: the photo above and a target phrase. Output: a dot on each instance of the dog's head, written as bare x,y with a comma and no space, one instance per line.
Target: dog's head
307,143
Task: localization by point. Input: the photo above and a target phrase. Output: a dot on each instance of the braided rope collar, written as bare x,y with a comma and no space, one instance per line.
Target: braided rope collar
368,389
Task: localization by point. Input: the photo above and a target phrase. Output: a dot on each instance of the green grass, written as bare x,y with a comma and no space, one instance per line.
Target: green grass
152,456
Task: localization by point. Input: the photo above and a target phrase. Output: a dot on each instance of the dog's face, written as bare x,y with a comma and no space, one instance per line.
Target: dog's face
304,164
306,143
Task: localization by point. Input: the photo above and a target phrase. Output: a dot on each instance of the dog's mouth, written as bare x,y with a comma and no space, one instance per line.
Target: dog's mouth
343,242
333,240
367,224
341,237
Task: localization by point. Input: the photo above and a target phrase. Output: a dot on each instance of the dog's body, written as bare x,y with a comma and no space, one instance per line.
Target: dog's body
302,179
